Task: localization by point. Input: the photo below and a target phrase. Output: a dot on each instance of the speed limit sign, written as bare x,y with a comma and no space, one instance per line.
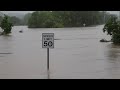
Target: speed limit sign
47,40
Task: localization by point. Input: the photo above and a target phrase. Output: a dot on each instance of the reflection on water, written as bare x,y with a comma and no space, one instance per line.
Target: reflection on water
113,52
77,54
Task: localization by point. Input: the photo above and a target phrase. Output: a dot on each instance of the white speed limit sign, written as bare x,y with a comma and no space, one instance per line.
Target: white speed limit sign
47,40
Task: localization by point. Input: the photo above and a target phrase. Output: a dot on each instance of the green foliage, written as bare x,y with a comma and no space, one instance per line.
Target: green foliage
1,18
47,19
112,27
6,25
15,20
33,21
58,25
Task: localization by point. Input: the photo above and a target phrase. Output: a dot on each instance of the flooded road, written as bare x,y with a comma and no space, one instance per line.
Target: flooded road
78,54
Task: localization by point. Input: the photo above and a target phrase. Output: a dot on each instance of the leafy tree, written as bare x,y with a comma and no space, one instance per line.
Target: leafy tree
6,25
1,19
112,27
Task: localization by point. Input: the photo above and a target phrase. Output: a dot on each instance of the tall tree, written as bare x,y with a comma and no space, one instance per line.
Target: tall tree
6,25
112,27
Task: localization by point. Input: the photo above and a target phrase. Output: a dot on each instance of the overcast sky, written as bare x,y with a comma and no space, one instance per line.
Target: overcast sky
114,12
24,12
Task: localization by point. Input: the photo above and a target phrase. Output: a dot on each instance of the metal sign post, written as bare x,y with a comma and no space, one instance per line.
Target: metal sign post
48,59
48,42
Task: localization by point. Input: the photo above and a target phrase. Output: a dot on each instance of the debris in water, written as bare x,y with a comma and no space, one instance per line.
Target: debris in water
104,40
21,31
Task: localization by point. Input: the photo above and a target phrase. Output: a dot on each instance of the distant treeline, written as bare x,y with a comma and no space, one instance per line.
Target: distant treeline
58,19
17,21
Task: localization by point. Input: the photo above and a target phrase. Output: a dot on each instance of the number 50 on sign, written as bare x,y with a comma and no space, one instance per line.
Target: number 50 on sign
47,40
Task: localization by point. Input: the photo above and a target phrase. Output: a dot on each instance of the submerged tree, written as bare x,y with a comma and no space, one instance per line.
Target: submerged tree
112,27
6,25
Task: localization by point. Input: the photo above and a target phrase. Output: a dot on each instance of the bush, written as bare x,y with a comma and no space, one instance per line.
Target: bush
112,27
6,25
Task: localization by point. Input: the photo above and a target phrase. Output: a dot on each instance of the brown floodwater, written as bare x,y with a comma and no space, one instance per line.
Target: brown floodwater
78,54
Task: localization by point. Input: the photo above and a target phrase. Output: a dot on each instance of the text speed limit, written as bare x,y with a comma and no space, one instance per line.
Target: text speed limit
48,40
